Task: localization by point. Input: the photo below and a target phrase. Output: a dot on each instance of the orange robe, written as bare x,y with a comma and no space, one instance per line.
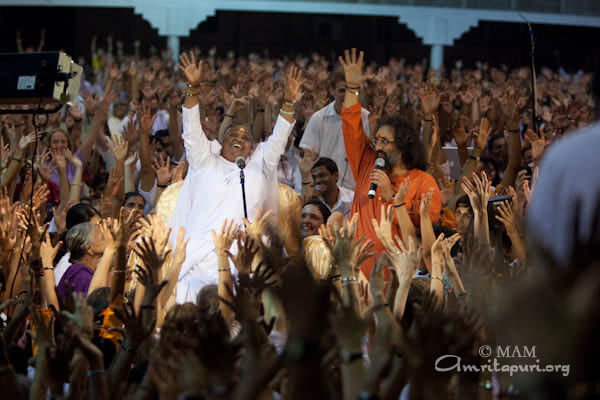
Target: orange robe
361,158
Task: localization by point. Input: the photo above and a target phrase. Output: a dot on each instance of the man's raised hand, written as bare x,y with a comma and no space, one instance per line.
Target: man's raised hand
192,71
353,68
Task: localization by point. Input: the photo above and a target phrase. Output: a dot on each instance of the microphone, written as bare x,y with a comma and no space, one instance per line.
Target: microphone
240,162
379,164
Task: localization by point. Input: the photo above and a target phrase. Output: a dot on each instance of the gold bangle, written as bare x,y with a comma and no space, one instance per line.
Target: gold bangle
437,277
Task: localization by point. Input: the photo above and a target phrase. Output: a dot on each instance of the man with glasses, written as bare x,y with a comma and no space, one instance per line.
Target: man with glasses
323,132
398,143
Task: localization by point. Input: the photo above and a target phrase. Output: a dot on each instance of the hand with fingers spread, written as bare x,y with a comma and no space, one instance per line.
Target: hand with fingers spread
47,251
147,277
478,191
508,218
162,169
345,249
135,330
430,100
306,163
224,239
149,254
27,140
261,223
294,81
146,120
383,227
191,69
119,148
484,131
353,68
247,250
539,144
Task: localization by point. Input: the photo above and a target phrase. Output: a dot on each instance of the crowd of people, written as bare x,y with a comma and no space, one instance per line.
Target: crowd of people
393,214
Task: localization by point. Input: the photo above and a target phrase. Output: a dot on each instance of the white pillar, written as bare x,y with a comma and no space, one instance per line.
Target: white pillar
173,44
436,58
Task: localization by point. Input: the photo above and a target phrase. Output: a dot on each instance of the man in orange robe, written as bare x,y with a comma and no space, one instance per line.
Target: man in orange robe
397,142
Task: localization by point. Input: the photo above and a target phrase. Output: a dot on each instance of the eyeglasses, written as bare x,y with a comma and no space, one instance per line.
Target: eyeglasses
383,141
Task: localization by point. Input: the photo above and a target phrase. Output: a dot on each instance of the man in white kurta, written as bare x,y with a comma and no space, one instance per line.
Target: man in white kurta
212,192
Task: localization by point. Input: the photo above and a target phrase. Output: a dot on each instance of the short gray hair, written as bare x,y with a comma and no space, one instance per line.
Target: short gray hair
78,239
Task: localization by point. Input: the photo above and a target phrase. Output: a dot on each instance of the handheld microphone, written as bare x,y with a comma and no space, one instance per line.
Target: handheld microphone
240,162
379,164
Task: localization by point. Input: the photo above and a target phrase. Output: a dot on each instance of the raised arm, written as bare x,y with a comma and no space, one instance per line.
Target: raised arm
98,124
196,143
174,130
511,107
146,123
355,139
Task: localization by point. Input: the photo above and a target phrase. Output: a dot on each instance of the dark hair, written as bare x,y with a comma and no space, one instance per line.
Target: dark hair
492,139
408,141
154,138
322,207
494,164
161,133
129,195
327,163
464,201
337,76
79,213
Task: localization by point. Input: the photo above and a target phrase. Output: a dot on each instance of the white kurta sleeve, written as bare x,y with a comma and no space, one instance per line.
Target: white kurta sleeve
274,147
197,145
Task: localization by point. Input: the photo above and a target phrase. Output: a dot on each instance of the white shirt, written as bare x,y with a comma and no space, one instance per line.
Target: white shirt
211,193
568,175
61,267
324,133
288,172
343,203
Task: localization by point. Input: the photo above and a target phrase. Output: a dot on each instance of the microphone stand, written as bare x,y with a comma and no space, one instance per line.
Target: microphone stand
242,181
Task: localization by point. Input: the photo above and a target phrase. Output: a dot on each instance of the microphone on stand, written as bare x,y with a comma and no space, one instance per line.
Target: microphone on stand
379,164
241,163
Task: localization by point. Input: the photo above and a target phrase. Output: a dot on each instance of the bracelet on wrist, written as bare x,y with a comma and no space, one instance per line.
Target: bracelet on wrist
17,160
348,279
438,278
162,186
260,110
194,86
307,183
400,205
93,372
352,87
286,112
476,158
224,270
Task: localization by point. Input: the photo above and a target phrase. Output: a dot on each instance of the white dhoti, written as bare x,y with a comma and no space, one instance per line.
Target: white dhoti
212,193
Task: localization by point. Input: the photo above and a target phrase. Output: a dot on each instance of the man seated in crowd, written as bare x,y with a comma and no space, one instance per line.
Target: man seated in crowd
323,133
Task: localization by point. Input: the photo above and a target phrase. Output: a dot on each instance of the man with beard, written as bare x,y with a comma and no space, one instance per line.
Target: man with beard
398,143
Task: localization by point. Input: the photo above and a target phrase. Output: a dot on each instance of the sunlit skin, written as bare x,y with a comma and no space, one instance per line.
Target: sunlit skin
311,220
386,134
237,143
